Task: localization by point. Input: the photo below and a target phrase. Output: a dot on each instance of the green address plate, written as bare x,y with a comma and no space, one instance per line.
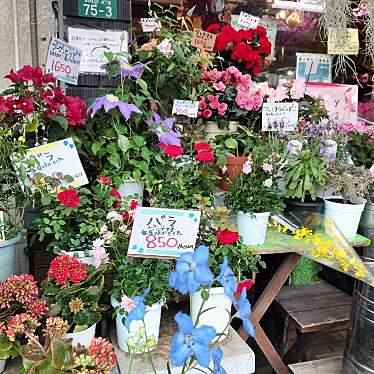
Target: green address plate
107,9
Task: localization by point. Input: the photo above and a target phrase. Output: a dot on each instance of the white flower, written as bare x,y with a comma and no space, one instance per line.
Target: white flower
114,216
224,170
103,230
247,167
107,236
372,170
122,228
268,182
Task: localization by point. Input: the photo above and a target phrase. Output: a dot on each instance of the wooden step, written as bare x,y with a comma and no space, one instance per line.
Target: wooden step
332,365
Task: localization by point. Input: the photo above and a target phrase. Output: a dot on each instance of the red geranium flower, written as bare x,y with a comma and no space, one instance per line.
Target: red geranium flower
65,268
205,157
172,150
247,284
69,198
240,52
105,180
227,237
199,147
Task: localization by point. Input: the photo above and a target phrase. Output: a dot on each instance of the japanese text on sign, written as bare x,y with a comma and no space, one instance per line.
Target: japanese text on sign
63,61
203,40
163,232
313,67
347,46
185,108
280,116
150,24
98,8
248,21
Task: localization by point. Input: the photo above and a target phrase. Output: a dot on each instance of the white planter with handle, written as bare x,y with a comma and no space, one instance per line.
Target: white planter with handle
211,129
84,338
2,365
8,257
219,316
82,256
131,188
253,229
152,320
346,216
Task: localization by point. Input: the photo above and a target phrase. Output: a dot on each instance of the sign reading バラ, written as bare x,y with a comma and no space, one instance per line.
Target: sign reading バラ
63,61
314,67
248,21
163,232
58,157
203,40
349,45
185,108
150,24
280,116
98,8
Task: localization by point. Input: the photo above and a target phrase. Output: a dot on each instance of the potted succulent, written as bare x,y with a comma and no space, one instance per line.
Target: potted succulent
255,196
72,291
350,185
133,275
304,171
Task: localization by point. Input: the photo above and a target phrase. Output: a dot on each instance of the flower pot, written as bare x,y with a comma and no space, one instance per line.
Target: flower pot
234,167
83,338
218,317
346,216
152,321
294,205
211,129
2,365
81,255
131,188
253,229
8,256
366,228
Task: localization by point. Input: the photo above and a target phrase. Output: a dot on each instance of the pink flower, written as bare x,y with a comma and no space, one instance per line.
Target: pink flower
207,113
247,167
268,182
245,81
127,304
297,90
114,216
372,170
267,167
213,75
202,103
277,95
103,230
213,101
222,107
99,253
232,70
219,86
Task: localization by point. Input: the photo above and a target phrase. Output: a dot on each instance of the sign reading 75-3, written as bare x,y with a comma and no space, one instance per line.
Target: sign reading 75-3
98,8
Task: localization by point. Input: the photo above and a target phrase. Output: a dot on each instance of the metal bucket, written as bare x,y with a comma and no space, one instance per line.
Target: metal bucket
359,350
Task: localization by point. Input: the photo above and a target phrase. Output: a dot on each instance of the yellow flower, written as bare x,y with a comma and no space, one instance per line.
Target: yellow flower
76,305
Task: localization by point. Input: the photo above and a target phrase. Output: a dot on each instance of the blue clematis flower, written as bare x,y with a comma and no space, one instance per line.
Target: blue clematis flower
164,130
217,355
110,102
227,279
138,312
133,71
244,311
190,340
192,271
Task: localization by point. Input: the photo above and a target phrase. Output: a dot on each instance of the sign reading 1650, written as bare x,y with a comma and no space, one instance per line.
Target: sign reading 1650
98,8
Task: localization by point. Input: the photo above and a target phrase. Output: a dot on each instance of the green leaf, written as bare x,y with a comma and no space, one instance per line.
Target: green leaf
60,355
114,160
62,121
80,328
143,84
95,147
231,143
124,143
5,343
44,367
139,140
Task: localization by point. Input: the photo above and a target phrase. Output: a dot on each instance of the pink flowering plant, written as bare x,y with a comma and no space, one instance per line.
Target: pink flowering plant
230,95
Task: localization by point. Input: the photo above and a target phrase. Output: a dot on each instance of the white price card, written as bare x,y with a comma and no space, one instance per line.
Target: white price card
150,24
248,21
280,116
185,108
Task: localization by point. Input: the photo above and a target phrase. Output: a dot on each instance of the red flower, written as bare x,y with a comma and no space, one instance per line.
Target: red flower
13,76
247,284
25,105
214,28
76,111
227,237
205,157
260,30
199,147
26,73
127,217
222,41
113,192
69,198
240,52
105,180
65,268
172,150
207,113
5,105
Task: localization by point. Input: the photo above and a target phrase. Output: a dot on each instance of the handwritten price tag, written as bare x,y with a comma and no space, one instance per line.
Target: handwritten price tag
150,24
203,40
248,21
165,233
63,61
185,108
348,46
280,116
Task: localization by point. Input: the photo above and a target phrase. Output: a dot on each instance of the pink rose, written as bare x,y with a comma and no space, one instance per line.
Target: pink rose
268,182
245,80
247,167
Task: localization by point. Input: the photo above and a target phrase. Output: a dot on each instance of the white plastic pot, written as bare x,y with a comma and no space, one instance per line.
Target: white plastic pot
346,216
211,129
83,338
218,317
8,257
81,255
152,321
253,229
133,189
2,365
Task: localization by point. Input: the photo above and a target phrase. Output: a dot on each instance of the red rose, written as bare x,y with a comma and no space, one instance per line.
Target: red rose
172,150
207,113
214,28
205,157
105,180
247,284
227,237
234,35
69,198
199,147
127,217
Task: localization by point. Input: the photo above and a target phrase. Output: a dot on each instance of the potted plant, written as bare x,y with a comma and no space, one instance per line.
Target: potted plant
133,275
72,291
304,171
255,196
350,185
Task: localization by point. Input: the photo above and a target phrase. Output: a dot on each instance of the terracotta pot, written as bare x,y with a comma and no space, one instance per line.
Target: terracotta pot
234,168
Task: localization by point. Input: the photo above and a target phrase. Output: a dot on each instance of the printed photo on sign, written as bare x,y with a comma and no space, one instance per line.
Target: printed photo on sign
150,24
63,61
203,40
58,158
313,67
94,43
349,45
185,108
280,116
165,233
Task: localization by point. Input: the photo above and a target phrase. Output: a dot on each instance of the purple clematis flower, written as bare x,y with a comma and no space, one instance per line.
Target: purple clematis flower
133,72
110,102
164,130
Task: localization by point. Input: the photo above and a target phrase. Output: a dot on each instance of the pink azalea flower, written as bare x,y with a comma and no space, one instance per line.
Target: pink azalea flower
202,104
267,167
222,107
127,304
277,95
219,86
268,182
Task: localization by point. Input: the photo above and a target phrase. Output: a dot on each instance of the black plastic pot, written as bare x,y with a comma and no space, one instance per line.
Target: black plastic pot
309,205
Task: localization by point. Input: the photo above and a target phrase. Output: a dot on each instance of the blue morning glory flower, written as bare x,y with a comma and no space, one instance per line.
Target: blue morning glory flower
138,312
110,102
217,355
191,341
163,128
227,279
192,271
132,71
244,311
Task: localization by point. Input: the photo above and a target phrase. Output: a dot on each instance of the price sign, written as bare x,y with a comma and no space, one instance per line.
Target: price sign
349,45
280,116
98,8
63,61
185,108
165,233
248,21
313,67
203,40
150,24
